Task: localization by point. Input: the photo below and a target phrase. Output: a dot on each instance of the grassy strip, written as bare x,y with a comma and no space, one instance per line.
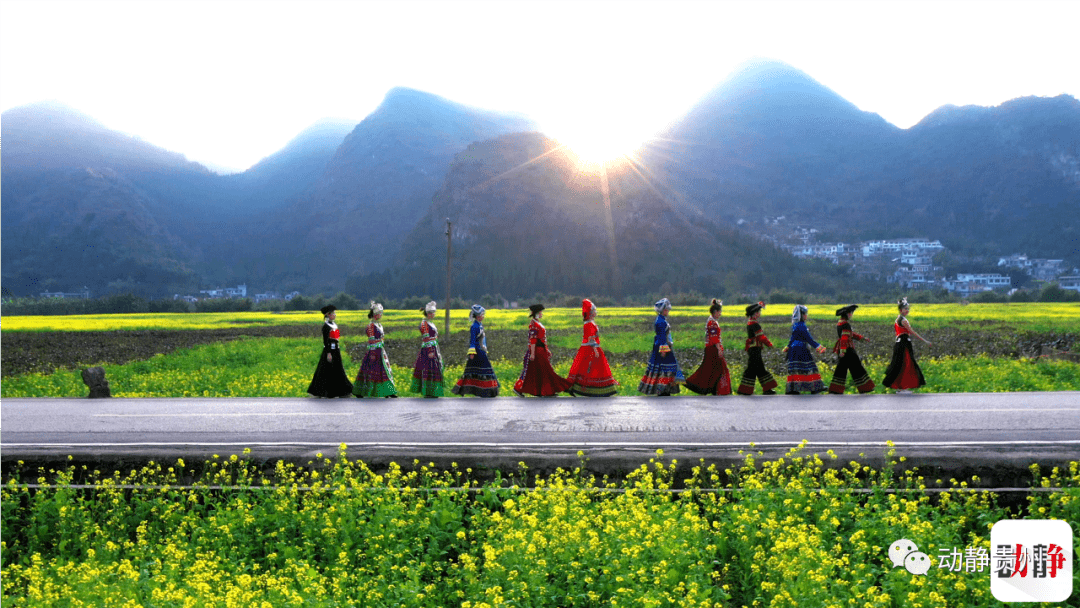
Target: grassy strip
336,533
282,367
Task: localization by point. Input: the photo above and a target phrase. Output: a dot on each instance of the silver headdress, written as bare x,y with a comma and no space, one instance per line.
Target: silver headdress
796,315
430,306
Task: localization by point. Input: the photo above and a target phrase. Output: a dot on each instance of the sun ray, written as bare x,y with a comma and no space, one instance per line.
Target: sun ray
521,166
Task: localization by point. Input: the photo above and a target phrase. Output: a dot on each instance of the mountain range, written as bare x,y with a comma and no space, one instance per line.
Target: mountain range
363,206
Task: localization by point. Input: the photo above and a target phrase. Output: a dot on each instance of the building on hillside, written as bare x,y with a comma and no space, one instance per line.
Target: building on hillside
968,283
1047,270
1040,269
1069,282
894,246
240,291
69,295
833,252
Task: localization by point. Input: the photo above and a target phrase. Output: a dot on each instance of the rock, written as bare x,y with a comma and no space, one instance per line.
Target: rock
94,377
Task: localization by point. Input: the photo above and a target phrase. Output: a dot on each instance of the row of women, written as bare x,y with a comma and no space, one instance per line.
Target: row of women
590,374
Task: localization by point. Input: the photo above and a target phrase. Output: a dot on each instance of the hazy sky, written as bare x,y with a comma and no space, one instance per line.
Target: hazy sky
231,81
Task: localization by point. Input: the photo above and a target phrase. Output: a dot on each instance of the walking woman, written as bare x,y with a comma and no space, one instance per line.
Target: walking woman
537,376
903,373
713,377
479,377
803,373
428,371
755,367
662,375
847,359
375,379
590,374
330,379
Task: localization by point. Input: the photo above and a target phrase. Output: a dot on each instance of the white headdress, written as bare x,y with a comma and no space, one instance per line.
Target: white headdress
796,315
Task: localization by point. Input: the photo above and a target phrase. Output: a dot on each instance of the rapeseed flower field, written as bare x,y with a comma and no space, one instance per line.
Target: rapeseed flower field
977,348
802,530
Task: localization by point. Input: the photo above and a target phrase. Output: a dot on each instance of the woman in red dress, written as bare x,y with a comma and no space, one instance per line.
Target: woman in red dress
538,378
903,373
713,377
590,374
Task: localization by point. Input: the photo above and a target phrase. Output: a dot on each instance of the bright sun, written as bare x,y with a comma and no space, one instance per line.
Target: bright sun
599,140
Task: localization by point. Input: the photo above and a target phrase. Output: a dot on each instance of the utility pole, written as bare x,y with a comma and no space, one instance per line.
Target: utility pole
446,330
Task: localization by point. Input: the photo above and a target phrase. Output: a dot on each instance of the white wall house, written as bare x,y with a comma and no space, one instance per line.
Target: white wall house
969,283
928,247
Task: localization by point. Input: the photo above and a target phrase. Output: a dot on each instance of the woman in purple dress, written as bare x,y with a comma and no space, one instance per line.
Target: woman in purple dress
428,371
375,378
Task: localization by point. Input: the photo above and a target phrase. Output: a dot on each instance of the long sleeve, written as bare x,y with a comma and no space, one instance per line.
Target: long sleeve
800,333
590,335
476,338
534,333
326,336
755,336
663,336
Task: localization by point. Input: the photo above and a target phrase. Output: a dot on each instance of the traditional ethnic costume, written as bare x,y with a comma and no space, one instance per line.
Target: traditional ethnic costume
903,371
590,374
537,376
803,373
662,375
847,359
428,371
479,377
375,379
755,367
330,379
713,377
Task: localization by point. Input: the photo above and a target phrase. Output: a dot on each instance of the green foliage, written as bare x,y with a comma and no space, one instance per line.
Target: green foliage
795,531
1054,293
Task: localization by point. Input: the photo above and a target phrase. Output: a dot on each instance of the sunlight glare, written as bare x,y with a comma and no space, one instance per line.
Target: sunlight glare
599,139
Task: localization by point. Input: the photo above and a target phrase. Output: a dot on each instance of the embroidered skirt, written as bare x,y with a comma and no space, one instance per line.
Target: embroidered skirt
538,377
803,375
713,377
903,371
590,375
374,378
428,373
478,378
662,376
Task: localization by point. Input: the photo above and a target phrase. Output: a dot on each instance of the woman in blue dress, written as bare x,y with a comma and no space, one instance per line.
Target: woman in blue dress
803,373
662,376
479,377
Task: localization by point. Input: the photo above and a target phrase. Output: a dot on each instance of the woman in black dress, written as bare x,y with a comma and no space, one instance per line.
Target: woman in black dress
330,379
904,373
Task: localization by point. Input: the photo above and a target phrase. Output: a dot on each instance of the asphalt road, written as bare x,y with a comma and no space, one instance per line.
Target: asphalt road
968,431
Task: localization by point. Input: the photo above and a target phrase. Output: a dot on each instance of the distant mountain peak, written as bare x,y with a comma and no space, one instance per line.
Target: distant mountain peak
51,115
777,82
